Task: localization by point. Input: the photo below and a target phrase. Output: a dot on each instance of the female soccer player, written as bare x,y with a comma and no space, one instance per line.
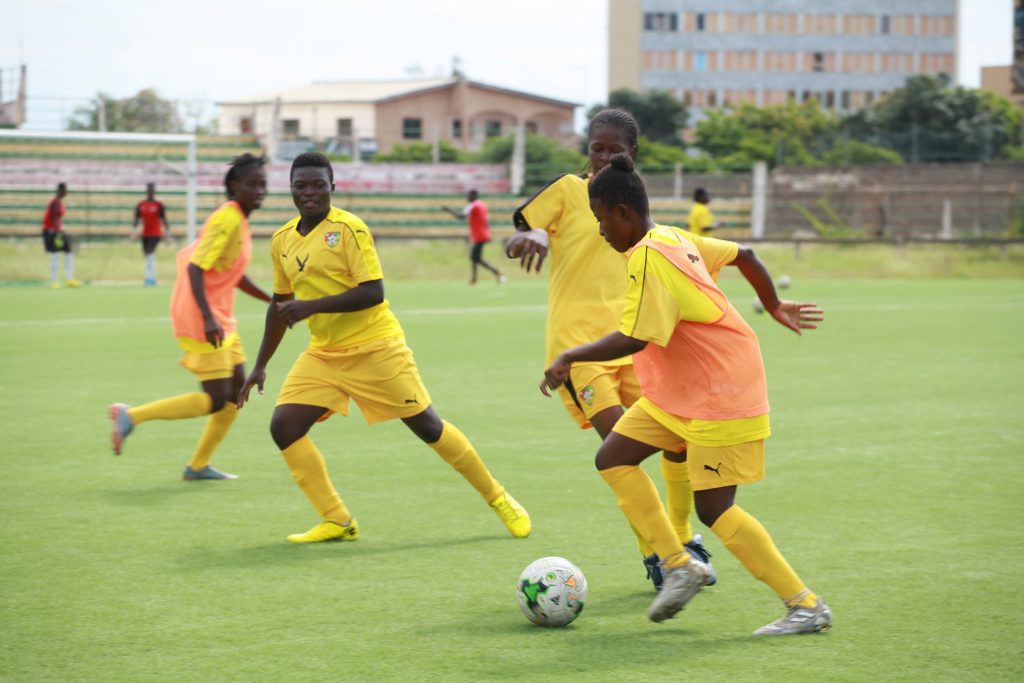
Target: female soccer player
55,240
326,270
702,379
202,313
586,295
150,211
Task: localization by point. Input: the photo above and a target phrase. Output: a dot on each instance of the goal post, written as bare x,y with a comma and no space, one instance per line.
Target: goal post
190,170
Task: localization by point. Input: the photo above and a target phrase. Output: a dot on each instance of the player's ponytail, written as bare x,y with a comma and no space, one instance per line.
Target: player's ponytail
619,183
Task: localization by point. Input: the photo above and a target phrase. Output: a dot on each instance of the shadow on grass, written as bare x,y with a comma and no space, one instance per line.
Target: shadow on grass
158,495
283,553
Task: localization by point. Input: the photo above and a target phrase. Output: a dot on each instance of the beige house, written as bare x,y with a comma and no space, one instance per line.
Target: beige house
999,79
375,115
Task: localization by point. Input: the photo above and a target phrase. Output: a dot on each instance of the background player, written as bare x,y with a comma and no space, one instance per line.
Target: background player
202,313
475,213
586,295
326,270
55,240
703,384
702,221
154,226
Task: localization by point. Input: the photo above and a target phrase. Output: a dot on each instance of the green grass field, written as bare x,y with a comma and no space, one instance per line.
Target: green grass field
893,477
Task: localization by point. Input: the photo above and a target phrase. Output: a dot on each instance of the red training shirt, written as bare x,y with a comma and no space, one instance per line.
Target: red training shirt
150,212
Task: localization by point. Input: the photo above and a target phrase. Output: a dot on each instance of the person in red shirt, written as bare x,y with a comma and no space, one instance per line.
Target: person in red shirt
475,214
55,240
154,226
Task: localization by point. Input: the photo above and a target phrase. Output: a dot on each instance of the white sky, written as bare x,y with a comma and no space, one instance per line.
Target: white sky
222,49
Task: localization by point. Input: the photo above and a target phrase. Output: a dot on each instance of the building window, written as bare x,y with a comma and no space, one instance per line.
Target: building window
290,126
701,21
687,99
830,99
245,125
712,98
412,129
886,24
819,62
457,129
662,22
844,100
700,61
344,128
531,127
492,128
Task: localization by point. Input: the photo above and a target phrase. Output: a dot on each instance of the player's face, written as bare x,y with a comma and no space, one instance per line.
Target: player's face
604,141
614,224
311,190
249,189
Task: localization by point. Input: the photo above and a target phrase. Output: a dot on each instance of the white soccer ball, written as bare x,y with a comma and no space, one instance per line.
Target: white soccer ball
758,306
551,591
783,282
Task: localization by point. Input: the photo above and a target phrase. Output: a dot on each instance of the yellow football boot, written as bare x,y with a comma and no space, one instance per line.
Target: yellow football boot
328,531
73,283
513,515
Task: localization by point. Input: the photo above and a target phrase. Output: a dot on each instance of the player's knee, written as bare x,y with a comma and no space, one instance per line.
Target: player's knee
708,512
218,400
283,433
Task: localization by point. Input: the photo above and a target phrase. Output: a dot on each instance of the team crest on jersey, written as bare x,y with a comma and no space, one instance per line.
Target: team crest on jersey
587,394
332,238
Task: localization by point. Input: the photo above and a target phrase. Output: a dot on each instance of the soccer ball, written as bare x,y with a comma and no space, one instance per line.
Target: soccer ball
551,591
758,306
783,282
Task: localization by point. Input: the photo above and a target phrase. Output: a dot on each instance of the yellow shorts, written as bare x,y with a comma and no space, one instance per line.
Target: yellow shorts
593,388
710,467
380,375
216,363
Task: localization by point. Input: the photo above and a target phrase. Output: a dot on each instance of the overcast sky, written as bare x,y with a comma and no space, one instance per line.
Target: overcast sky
222,49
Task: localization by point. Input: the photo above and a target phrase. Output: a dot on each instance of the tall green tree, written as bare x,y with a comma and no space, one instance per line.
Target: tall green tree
660,116
145,112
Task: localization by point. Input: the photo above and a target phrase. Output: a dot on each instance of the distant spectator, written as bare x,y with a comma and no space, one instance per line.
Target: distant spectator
56,240
702,221
475,213
154,226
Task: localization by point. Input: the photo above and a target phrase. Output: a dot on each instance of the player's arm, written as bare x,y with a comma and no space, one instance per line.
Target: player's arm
610,347
252,289
795,315
453,212
138,217
163,219
363,296
197,280
273,332
55,219
530,244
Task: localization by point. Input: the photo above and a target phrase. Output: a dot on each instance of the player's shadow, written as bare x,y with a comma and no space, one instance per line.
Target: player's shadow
285,554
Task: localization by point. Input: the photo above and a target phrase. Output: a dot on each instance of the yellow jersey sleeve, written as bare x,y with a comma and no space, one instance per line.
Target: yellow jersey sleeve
219,243
716,253
659,296
543,211
701,219
282,283
360,253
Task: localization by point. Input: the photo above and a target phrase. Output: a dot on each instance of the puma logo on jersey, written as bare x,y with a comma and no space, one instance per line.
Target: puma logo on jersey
693,258
302,262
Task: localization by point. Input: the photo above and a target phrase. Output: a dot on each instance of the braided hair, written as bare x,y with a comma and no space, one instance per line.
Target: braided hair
315,160
619,183
239,165
619,119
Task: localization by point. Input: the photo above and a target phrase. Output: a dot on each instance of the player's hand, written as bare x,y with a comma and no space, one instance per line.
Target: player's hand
213,331
529,249
293,311
556,375
257,377
798,315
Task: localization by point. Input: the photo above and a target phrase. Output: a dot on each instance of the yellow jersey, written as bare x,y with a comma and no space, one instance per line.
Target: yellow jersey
701,219
586,290
658,297
334,257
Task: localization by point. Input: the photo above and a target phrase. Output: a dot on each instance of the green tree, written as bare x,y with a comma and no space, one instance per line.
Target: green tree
145,112
660,116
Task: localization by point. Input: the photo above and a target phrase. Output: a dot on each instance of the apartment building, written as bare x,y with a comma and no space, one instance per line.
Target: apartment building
844,53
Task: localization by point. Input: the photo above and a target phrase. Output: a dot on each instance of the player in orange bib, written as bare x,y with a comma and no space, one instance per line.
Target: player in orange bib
202,314
326,271
703,385
586,295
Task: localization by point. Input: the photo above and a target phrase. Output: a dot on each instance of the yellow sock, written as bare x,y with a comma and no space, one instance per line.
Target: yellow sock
745,538
457,451
639,501
174,408
217,426
680,496
310,472
645,548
